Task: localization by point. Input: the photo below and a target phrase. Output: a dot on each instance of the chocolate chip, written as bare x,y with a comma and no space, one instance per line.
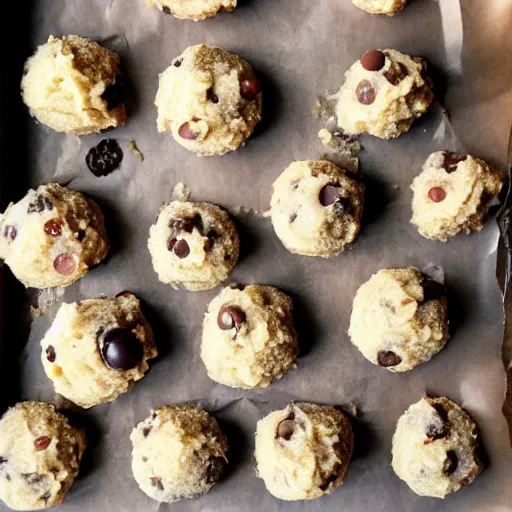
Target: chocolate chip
144,459
80,235
387,358
120,349
450,463
50,353
436,194
8,477
185,132
10,232
53,227
211,96
294,184
285,429
186,224
214,469
3,460
46,496
40,204
156,481
166,9
32,478
208,244
229,317
146,431
396,73
331,478
181,249
41,443
436,431
177,63
292,218
249,88
441,411
365,92
451,160
373,60
65,264
104,158
113,95
329,194
432,290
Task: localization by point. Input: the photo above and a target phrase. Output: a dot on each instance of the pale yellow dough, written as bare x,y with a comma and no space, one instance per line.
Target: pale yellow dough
435,448
68,84
40,455
179,452
468,185
194,10
259,350
312,459
388,7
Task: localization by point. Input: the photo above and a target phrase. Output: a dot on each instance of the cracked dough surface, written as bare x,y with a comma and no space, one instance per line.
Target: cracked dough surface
88,335
316,208
303,451
384,100
248,337
72,85
195,10
209,99
52,236
193,245
388,7
40,455
435,448
398,319
452,195
179,452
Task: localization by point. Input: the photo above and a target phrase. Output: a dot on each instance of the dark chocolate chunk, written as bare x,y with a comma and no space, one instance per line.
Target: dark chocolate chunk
451,160
186,224
450,463
365,92
387,358
120,349
53,227
80,235
3,460
32,478
177,63
329,194
40,204
156,481
50,353
211,96
114,95
181,249
65,264
166,9
104,158
396,73
229,317
249,88
373,60
10,232
437,431
41,443
185,132
285,429
436,194
292,218
146,431
46,496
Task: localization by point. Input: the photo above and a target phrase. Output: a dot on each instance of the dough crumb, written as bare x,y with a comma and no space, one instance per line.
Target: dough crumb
181,192
246,210
132,146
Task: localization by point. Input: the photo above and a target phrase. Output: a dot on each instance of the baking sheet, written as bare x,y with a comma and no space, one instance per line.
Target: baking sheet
299,49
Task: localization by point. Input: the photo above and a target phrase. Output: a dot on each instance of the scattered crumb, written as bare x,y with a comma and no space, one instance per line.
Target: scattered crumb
181,192
48,301
35,312
325,137
352,409
132,146
245,210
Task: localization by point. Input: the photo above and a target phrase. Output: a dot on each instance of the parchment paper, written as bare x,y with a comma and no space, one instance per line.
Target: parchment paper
299,49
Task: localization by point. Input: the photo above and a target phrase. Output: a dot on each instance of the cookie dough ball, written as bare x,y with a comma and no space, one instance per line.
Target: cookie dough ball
452,194
193,245
97,349
52,236
179,452
73,85
398,319
388,7
195,10
40,455
209,99
303,451
248,337
435,448
383,93
316,208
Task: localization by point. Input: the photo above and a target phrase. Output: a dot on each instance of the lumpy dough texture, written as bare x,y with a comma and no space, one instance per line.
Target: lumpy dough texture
52,236
40,455
452,194
195,10
209,99
388,7
316,208
398,319
193,245
303,452
179,452
383,93
73,85
435,448
97,349
248,337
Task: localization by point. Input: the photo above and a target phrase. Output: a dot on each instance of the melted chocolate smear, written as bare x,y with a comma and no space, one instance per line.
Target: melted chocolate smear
104,158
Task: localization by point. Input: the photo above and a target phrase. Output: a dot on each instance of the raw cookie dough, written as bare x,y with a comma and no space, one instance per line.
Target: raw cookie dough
179,452
452,194
52,236
316,208
435,448
73,85
195,10
209,99
388,7
248,337
383,93
97,349
398,319
193,245
40,455
303,451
